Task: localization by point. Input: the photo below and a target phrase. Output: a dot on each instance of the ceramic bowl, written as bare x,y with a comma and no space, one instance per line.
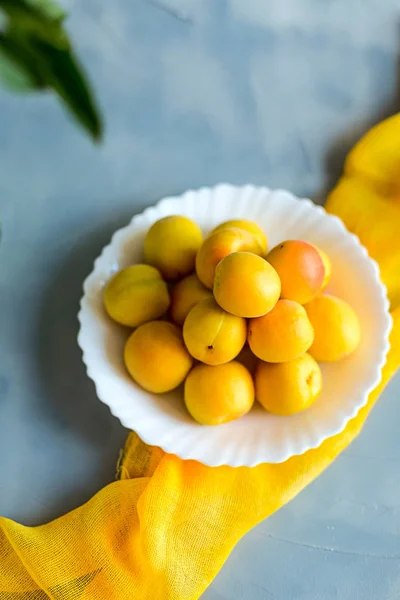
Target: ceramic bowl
162,420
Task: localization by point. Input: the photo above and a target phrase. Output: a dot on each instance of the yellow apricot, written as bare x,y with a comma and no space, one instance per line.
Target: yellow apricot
135,295
156,357
171,245
249,226
212,335
290,387
327,267
216,395
282,334
218,245
246,285
301,269
336,328
185,295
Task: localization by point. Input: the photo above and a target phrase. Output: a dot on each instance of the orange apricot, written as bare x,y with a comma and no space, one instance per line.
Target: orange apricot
247,359
336,328
216,395
327,266
289,387
282,334
301,269
246,285
185,295
218,245
156,357
249,226
212,335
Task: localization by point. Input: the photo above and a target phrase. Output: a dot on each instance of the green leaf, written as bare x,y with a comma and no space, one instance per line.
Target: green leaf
14,75
49,8
34,21
35,53
15,51
66,77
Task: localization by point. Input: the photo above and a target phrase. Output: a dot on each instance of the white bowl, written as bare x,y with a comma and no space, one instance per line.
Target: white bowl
162,420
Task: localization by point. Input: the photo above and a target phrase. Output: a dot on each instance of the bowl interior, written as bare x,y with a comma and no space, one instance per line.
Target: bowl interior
162,420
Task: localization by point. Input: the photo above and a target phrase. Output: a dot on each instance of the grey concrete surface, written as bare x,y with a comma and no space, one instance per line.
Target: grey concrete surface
194,92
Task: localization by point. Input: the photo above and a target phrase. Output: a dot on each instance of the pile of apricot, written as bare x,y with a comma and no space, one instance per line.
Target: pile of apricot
232,321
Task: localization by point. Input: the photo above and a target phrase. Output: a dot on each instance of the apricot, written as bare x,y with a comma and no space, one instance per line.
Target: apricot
327,266
290,387
336,328
216,395
246,285
301,269
282,334
186,294
171,245
135,295
249,226
212,335
247,359
156,357
218,245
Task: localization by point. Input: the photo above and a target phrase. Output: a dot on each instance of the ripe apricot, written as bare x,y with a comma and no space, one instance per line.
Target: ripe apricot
212,335
246,285
185,295
218,245
247,359
156,357
290,387
135,295
336,328
171,245
282,334
327,266
301,269
216,395
249,226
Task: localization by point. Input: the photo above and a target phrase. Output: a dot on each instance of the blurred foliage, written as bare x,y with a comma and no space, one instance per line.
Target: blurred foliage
36,54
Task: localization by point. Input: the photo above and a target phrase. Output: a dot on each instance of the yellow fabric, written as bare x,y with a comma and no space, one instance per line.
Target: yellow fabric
164,529
367,199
